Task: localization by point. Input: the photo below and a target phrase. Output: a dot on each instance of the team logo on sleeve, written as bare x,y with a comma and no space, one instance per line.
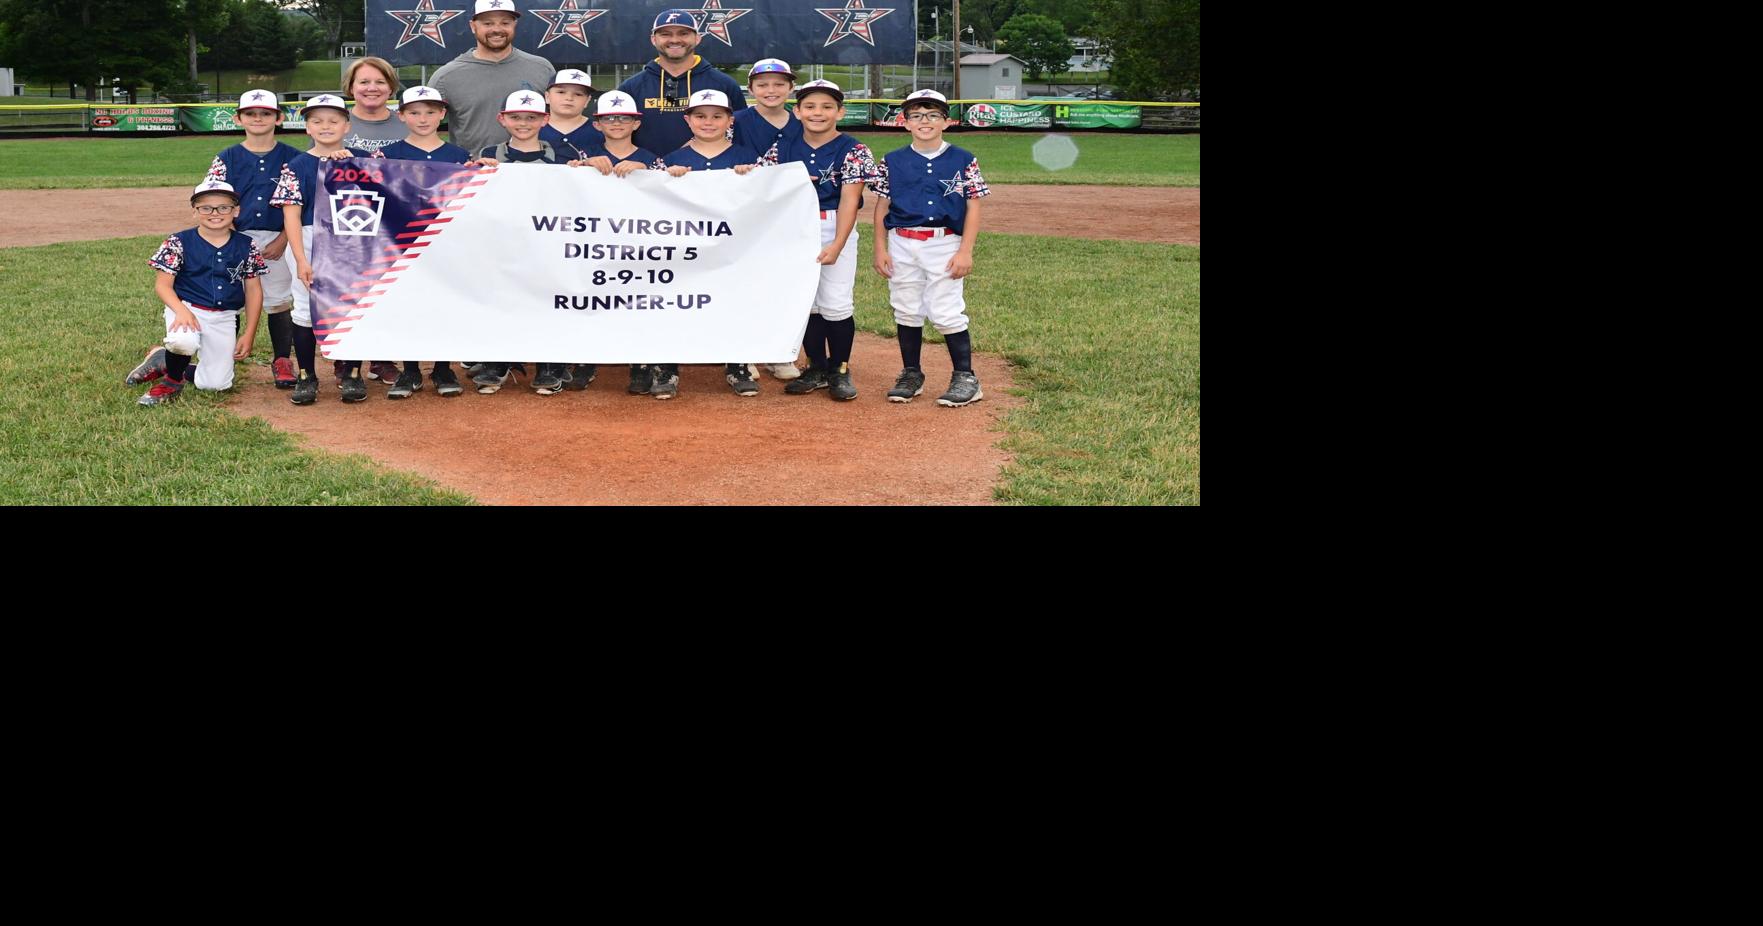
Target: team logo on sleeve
567,20
424,22
356,212
855,19
715,20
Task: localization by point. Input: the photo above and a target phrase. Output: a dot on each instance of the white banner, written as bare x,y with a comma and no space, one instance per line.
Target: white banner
564,265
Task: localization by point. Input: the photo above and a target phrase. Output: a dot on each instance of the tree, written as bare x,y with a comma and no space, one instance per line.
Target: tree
258,37
341,20
1155,46
205,17
131,42
1039,41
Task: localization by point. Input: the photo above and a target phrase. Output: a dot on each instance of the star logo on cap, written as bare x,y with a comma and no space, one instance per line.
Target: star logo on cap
258,95
568,20
496,3
424,22
715,20
422,91
617,102
855,19
526,101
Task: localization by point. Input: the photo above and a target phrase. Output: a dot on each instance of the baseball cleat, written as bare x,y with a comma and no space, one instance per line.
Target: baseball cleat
549,379
811,379
963,390
354,387
784,371
149,369
384,370
740,378
909,385
283,371
162,392
407,383
305,389
642,377
839,385
580,375
491,378
446,381
666,384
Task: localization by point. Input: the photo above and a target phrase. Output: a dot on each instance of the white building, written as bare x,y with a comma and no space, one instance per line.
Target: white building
1088,56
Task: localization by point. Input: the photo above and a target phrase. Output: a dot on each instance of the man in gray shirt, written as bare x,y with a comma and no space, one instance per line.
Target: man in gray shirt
476,83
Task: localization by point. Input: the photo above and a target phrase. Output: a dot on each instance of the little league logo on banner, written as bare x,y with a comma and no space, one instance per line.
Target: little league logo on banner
596,32
562,265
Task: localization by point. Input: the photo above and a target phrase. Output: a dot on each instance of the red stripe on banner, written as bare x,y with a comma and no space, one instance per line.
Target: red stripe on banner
464,196
477,183
408,234
364,305
429,212
364,284
440,221
419,223
419,244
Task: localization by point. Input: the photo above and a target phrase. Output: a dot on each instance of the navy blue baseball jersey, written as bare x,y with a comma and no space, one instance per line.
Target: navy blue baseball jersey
732,156
931,192
404,151
516,156
573,146
752,129
254,177
206,275
642,156
832,165
299,183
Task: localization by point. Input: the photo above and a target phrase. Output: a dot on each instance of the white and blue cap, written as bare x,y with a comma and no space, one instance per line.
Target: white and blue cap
771,66
667,18
494,6
524,101
258,99
926,96
708,98
617,103
213,186
421,94
820,86
573,77
325,101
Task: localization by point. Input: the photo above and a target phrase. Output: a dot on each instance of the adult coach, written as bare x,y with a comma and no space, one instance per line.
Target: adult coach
476,83
665,84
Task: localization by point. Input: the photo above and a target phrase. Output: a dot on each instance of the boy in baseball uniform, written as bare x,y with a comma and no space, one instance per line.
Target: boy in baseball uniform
762,125
616,116
327,120
709,115
838,165
568,129
206,275
421,110
926,221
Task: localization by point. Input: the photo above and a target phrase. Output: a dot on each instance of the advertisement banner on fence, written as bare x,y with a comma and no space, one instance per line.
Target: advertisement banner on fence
220,118
551,264
1007,116
132,118
1096,116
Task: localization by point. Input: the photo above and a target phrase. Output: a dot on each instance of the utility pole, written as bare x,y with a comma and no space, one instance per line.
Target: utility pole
957,49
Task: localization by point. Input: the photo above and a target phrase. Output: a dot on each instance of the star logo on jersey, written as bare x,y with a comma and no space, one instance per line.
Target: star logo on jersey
424,22
855,19
567,20
955,187
715,20
828,175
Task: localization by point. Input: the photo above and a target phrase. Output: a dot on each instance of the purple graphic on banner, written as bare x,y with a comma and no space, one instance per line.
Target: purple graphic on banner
372,220
578,32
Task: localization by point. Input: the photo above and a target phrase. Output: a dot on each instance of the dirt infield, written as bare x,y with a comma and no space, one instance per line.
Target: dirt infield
706,447
1170,215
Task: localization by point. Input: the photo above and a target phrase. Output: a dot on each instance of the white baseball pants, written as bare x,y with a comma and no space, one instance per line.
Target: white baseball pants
212,345
276,288
921,287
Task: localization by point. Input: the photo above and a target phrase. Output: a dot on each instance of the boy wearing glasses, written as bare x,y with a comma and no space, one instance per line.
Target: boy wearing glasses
926,220
206,275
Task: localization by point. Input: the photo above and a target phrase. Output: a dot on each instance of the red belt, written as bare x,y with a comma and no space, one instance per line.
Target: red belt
207,308
922,234
823,215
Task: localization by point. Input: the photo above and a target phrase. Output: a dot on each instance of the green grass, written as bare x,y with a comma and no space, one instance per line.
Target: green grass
74,435
1109,160
77,163
1105,336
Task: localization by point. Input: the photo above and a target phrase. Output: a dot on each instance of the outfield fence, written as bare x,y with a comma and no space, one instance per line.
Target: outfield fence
1034,115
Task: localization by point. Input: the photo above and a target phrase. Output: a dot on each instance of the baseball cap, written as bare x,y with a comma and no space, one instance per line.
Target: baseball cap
258,99
820,86
926,96
708,98
617,104
524,101
214,186
323,101
421,94
674,18
494,6
572,76
771,66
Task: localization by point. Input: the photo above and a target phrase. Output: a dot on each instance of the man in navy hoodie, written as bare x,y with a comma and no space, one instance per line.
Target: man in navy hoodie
664,86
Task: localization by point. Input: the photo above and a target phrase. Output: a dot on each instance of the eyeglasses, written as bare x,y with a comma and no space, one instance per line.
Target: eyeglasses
215,210
924,115
617,120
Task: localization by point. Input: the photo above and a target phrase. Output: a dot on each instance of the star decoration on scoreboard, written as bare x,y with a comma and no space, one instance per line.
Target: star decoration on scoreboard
855,19
567,20
424,22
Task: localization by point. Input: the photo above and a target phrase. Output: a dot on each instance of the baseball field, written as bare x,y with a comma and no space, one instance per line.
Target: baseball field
1085,300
